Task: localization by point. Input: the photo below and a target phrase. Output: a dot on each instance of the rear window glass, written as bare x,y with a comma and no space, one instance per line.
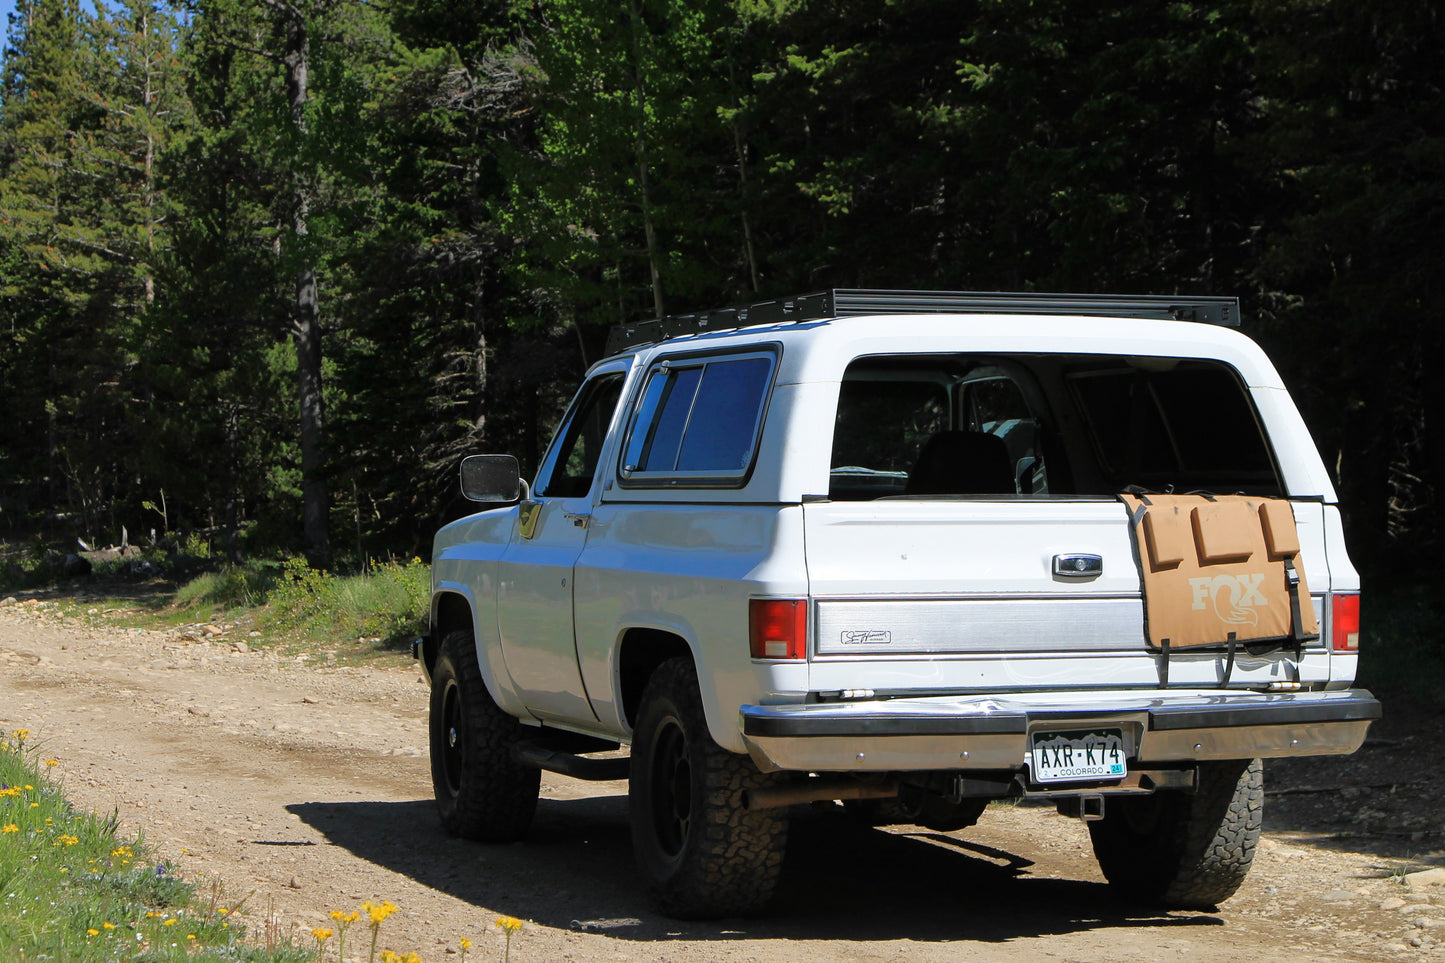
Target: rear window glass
1189,425
931,426
881,424
1044,425
698,420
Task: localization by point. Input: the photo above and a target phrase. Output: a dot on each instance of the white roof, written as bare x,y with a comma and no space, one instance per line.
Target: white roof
820,350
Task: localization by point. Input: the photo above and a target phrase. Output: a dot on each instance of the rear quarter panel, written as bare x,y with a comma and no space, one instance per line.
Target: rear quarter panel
688,569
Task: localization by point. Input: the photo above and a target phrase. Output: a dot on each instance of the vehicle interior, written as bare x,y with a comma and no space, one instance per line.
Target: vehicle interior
1041,426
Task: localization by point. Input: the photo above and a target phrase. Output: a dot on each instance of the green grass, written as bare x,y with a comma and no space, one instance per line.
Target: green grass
374,614
71,889
231,587
380,610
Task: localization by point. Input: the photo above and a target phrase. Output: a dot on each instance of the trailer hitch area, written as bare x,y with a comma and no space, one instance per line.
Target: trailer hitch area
1088,808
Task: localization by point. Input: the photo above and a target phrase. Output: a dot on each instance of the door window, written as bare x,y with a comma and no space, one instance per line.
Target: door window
570,465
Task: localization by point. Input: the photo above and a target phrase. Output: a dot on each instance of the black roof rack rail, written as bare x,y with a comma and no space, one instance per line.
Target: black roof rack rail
843,302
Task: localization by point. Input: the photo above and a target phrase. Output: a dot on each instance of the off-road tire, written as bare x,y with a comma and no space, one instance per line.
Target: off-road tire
1184,850
702,855
481,792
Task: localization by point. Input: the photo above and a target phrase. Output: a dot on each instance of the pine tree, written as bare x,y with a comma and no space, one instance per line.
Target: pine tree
86,105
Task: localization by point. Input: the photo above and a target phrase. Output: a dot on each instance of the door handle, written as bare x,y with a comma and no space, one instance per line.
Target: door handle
1078,567
580,519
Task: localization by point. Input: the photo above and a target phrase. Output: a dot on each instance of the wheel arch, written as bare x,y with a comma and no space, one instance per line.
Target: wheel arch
453,608
450,611
639,654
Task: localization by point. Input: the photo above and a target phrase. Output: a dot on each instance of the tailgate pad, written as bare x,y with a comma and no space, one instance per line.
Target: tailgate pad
1217,568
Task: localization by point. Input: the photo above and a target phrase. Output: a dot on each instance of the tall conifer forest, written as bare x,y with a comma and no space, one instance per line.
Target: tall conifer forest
270,268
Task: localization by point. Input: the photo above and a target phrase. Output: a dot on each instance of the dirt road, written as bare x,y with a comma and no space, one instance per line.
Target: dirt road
306,785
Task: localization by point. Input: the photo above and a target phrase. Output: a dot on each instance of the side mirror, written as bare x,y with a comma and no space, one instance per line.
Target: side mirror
492,478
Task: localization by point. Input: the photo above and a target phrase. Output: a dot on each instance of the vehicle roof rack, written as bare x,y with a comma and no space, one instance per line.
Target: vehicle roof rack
843,302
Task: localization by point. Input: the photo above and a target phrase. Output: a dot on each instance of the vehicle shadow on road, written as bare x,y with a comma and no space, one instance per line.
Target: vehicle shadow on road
1383,800
842,881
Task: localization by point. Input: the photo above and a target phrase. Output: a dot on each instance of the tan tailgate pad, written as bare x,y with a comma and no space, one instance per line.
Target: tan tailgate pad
1219,566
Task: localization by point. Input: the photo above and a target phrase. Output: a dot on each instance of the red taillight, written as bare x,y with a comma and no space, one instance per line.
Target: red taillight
1345,623
778,628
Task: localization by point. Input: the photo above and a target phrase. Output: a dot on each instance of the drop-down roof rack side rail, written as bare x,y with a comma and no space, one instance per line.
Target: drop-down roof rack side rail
842,302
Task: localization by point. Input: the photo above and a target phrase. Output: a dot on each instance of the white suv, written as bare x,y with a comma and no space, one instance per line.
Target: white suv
911,551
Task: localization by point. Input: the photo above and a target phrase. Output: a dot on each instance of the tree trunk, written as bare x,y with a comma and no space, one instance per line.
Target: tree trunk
640,147
740,147
314,502
148,197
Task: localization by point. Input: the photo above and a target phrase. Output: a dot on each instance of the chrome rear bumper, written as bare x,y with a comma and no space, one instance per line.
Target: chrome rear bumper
991,732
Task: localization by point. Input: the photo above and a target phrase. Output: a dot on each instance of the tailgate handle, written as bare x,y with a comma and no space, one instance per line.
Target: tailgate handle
1078,567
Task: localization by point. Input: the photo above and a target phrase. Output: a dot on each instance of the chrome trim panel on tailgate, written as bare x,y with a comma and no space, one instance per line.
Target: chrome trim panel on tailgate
902,626
880,627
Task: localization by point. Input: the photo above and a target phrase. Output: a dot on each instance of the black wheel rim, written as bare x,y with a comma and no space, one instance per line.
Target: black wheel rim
671,788
451,736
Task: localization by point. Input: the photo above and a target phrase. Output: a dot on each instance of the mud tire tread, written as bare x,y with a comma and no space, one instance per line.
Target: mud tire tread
496,797
1181,850
731,858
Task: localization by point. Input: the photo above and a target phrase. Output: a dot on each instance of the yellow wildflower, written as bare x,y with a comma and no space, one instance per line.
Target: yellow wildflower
509,925
52,762
465,943
10,828
169,922
21,735
378,913
321,934
92,932
107,926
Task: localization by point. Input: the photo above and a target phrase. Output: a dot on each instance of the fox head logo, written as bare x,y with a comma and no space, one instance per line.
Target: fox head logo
1234,597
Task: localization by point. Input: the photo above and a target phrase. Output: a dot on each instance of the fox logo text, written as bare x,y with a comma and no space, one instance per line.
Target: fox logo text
1234,597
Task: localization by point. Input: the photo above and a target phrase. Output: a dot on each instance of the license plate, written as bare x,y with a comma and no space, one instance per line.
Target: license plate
1072,755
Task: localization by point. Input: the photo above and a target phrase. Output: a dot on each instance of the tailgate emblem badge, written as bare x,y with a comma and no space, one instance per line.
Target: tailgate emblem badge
866,637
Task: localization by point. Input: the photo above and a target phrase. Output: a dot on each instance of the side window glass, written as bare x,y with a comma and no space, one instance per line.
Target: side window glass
568,468
720,434
700,419
665,436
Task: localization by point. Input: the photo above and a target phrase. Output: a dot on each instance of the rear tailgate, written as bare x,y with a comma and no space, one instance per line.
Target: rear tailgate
916,597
